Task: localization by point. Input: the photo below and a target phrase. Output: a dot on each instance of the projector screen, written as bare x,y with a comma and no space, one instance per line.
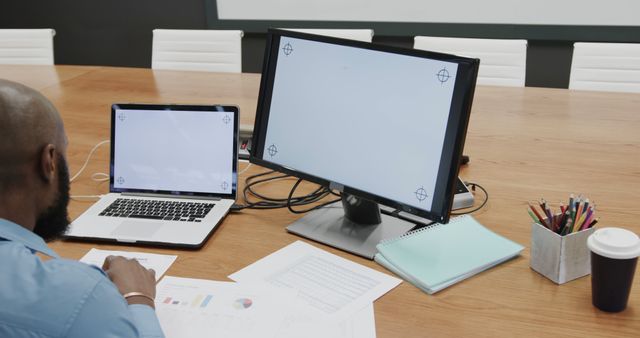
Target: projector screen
529,12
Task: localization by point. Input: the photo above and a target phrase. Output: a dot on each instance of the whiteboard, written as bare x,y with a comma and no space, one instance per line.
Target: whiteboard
530,12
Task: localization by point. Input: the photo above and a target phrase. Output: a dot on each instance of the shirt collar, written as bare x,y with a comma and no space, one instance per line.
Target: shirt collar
17,233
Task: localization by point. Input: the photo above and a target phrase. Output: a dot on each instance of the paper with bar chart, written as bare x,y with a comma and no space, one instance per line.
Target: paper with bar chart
201,308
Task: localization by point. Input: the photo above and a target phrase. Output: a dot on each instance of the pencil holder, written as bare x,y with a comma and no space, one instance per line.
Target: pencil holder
560,258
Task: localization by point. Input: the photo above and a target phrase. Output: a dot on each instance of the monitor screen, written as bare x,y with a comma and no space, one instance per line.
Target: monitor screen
186,150
382,123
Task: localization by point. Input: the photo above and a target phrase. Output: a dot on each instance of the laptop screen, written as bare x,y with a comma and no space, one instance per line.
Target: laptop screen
174,149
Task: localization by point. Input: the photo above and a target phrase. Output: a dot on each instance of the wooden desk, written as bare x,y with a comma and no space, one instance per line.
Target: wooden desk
524,143
41,77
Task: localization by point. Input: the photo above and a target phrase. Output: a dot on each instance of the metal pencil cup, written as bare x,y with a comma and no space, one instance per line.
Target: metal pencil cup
560,258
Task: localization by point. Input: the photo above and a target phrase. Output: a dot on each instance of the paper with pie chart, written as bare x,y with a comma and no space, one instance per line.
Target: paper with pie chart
199,308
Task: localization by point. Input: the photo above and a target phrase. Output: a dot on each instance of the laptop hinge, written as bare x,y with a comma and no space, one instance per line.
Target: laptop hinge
143,194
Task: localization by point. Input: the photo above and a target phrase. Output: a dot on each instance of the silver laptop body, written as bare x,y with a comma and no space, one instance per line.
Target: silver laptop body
173,176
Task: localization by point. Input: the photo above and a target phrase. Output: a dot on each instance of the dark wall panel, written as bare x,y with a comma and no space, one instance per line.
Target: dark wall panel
112,32
548,63
253,52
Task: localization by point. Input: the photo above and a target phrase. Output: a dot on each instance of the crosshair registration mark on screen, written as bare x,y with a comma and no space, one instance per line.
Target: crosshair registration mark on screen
443,75
272,150
421,194
287,49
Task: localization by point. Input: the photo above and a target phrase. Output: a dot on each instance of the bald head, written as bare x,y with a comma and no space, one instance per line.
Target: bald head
28,122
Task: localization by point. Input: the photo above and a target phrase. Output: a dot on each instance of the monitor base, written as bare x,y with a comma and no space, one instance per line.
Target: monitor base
329,226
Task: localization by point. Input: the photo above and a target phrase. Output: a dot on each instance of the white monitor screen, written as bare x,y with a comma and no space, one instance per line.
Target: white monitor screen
177,151
366,119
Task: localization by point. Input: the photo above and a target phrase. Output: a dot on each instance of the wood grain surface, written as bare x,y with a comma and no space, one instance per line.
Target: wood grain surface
524,144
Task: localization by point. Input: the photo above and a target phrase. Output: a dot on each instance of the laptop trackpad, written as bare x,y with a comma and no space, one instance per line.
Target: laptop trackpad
135,229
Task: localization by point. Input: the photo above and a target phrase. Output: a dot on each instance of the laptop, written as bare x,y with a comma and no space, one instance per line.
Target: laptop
173,176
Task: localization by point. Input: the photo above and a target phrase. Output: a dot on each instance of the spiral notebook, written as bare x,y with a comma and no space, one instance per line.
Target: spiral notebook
440,255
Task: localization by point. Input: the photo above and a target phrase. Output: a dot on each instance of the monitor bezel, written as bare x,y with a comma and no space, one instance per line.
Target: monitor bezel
454,137
177,107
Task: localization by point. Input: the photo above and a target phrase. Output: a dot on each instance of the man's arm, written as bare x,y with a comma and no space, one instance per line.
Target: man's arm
107,314
136,283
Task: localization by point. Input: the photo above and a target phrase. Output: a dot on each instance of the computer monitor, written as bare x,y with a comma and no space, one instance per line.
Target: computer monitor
380,124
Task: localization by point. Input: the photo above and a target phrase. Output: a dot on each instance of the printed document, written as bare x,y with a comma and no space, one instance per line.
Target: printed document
159,263
328,283
194,308
306,322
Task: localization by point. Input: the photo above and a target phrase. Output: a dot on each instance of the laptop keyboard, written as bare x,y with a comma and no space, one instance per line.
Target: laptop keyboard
158,210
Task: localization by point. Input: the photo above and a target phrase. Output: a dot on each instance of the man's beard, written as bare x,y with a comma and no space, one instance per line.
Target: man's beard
54,221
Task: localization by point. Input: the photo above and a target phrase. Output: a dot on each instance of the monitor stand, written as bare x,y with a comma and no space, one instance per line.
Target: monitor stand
356,226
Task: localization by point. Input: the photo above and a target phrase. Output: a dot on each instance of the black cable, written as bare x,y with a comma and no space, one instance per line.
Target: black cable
293,189
249,189
268,202
473,188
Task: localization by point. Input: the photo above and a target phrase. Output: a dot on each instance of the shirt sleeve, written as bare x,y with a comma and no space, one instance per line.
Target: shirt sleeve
105,314
145,319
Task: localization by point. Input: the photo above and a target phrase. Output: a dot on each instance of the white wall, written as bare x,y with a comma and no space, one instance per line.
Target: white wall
543,12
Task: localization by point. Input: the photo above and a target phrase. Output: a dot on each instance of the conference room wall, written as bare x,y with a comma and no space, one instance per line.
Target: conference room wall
118,33
111,32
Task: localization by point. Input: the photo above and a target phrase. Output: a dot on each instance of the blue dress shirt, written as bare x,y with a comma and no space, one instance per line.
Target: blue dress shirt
59,297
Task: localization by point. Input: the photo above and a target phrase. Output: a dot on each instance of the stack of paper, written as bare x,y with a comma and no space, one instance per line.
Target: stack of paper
298,291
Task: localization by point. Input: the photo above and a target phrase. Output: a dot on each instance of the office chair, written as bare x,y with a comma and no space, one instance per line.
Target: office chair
365,35
26,46
200,50
605,67
502,62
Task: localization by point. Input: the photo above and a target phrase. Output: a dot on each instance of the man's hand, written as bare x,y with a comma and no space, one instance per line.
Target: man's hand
129,276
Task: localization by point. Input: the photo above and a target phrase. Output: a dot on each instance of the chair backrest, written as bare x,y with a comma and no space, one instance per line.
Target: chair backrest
365,35
605,67
502,62
26,46
204,50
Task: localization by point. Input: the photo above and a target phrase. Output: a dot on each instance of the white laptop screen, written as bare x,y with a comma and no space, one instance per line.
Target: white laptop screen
180,150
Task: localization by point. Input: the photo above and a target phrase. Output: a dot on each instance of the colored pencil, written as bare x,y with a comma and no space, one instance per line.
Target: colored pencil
574,207
575,216
571,199
585,225
567,228
563,222
547,211
535,219
584,220
581,209
538,215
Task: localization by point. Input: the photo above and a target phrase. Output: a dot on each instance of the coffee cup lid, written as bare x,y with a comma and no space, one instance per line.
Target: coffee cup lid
614,243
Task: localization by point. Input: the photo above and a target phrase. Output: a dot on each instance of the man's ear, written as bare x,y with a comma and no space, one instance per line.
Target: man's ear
47,167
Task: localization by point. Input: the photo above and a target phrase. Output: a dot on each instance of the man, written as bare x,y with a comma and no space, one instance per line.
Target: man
56,297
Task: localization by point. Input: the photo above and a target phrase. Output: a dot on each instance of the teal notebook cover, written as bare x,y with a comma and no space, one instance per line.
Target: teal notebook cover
440,255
